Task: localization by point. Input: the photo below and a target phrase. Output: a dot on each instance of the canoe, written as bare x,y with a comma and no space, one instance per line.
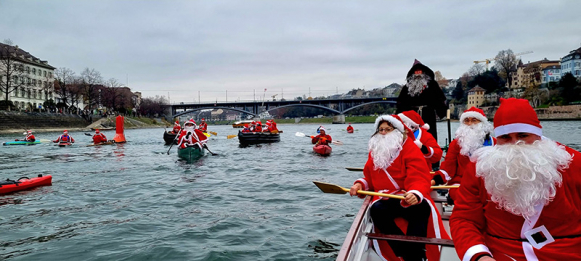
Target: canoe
358,245
191,153
257,137
23,183
66,144
102,143
169,138
20,143
324,150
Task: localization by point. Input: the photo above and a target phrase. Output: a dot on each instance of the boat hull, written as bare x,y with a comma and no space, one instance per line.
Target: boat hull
257,137
169,138
20,143
25,183
191,153
324,150
349,131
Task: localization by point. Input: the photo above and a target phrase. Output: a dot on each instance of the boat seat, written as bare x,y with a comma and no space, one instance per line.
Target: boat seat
425,240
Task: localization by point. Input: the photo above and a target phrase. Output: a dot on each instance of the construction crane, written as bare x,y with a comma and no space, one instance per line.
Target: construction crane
273,99
487,61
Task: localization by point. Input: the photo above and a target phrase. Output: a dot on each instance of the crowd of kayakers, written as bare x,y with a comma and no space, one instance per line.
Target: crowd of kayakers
256,126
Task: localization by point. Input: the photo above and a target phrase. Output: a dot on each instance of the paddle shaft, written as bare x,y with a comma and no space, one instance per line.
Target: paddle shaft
206,147
174,139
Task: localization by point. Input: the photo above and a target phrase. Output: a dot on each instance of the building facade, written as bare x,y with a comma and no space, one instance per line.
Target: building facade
551,74
530,74
32,79
571,63
475,96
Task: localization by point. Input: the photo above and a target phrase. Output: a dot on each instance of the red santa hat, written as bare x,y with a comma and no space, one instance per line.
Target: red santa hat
516,115
473,112
203,119
66,132
177,123
191,121
412,118
395,121
322,129
29,132
97,131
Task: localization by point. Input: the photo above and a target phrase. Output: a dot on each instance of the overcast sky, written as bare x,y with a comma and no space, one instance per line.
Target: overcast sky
183,48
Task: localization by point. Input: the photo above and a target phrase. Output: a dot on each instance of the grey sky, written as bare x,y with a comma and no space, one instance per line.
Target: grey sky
182,47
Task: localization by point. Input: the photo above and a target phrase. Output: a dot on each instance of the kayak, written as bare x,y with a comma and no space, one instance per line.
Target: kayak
102,143
23,183
20,143
349,131
324,150
64,144
169,138
190,153
358,244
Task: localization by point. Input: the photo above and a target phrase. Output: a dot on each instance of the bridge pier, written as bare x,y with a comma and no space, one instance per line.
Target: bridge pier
339,119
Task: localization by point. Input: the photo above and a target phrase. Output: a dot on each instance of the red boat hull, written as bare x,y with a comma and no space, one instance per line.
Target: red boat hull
349,131
24,184
324,150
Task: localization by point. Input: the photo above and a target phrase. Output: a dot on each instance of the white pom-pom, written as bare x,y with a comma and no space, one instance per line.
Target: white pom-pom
418,143
426,127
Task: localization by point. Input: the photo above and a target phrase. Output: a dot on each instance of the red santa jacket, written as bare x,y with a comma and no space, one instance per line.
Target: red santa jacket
176,129
29,137
479,226
349,128
408,172
321,139
64,139
98,138
434,153
203,126
197,136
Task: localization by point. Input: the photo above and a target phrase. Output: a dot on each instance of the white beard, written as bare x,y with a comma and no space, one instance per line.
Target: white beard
471,138
416,83
520,176
190,129
385,148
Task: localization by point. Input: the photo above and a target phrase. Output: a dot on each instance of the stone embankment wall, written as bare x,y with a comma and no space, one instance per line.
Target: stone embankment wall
569,112
36,120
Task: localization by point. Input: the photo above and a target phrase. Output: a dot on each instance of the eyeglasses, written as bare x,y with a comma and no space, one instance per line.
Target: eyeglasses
388,129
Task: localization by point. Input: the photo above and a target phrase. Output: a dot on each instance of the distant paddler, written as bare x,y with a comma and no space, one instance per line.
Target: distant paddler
119,129
203,125
29,137
176,128
99,137
64,139
396,166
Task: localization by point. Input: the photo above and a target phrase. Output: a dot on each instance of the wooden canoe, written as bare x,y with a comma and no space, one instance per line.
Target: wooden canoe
169,138
191,153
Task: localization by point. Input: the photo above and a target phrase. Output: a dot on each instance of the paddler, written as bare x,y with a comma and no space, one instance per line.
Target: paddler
423,139
176,127
322,138
203,125
99,137
350,128
474,133
258,127
246,128
191,136
395,165
520,199
65,138
29,137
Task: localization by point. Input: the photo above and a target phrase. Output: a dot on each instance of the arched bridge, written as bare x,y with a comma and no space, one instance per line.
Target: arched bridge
336,106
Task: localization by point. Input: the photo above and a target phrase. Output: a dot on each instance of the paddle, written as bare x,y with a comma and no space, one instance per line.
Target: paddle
300,134
174,141
335,189
213,133
88,134
206,147
232,136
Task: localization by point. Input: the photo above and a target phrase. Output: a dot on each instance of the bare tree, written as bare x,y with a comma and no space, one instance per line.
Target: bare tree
505,62
476,70
65,78
91,79
12,75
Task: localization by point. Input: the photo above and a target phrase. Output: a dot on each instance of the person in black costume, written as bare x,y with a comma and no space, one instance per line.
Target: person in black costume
423,95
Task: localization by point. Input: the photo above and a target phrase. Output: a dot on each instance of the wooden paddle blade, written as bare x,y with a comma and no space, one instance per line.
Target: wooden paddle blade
354,169
231,136
330,188
213,133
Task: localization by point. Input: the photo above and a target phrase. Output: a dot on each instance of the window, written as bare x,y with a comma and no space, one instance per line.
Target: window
544,79
552,78
33,82
34,94
33,71
22,92
44,72
49,74
27,69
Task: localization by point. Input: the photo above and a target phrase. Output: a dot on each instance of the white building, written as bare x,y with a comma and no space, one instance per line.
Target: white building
32,80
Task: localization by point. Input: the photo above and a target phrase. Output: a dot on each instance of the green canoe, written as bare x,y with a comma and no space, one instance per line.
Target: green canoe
191,153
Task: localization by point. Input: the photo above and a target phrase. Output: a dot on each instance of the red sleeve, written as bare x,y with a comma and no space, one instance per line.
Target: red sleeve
329,139
417,174
201,135
181,138
450,164
434,151
72,140
467,222
315,139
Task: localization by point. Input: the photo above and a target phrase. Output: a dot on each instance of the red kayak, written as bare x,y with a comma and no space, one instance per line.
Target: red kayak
23,183
350,131
324,150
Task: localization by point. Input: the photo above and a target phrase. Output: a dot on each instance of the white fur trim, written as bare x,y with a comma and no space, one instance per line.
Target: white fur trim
426,126
364,182
417,193
517,127
407,120
446,175
473,250
472,114
431,153
418,143
395,122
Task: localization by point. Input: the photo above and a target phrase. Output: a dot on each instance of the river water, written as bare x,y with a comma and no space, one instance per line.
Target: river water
135,202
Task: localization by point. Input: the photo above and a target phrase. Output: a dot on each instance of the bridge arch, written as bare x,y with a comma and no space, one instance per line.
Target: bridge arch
308,105
360,105
212,108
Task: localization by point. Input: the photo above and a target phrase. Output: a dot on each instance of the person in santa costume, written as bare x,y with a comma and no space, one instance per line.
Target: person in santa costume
520,199
203,125
349,128
99,137
29,137
423,139
395,165
176,128
191,136
246,128
322,138
474,133
273,127
258,127
65,138
253,126
423,95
